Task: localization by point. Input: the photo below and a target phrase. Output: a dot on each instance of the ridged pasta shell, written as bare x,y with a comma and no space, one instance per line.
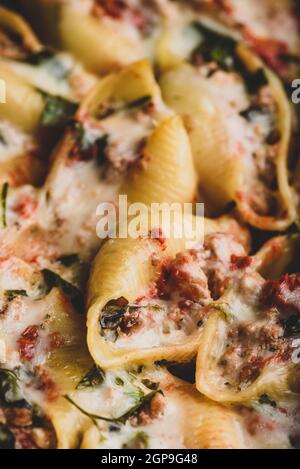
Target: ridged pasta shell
273,381
167,153
113,49
24,105
220,172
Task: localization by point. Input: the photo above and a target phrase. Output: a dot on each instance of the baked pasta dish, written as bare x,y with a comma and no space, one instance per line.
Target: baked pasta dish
171,338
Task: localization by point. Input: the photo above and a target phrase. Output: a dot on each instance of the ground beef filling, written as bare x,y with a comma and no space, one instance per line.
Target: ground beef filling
184,288
254,345
25,430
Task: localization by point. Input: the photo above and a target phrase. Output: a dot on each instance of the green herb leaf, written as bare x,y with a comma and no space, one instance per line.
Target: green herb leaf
291,325
139,102
57,110
139,441
52,280
216,47
145,400
10,392
93,378
86,141
255,80
225,309
12,294
290,58
41,56
49,59
4,193
68,259
7,438
82,136
113,312
150,384
119,381
119,107
122,419
222,49
101,145
264,399
136,394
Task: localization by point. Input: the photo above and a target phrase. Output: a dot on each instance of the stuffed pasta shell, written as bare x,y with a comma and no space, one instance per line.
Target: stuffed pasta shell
121,32
42,86
52,396
123,140
41,89
155,305
252,350
270,28
239,122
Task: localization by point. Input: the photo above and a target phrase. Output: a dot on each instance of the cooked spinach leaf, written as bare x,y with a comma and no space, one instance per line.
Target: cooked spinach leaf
216,47
87,141
290,58
113,312
253,113
52,279
150,384
57,111
264,399
114,108
41,56
254,80
48,58
83,138
12,294
93,378
222,50
140,102
68,259
123,418
7,438
4,193
10,392
139,441
119,381
101,145
291,325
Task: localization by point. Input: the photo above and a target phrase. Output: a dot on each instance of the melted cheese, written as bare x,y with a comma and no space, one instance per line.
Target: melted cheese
13,142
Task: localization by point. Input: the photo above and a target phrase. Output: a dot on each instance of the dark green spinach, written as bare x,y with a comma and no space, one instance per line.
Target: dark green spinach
52,279
94,377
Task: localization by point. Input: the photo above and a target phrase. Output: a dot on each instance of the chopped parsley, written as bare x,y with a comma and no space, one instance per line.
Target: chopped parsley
144,400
